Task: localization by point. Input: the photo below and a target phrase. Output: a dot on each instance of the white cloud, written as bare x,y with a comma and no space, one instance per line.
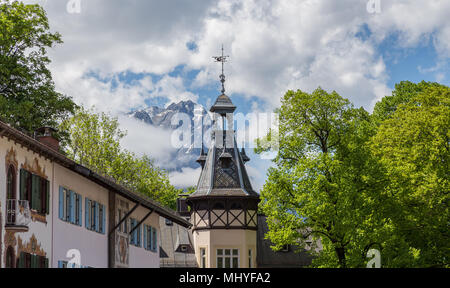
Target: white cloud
186,178
274,45
149,140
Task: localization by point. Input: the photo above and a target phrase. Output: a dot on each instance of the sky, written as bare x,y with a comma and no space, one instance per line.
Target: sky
127,55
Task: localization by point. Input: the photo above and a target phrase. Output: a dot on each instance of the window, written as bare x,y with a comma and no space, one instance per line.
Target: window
169,222
122,227
150,238
250,258
95,216
11,183
203,257
35,190
227,258
27,260
120,218
10,257
65,264
135,238
70,206
101,214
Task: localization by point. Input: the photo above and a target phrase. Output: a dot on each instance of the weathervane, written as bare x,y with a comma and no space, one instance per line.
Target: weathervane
222,59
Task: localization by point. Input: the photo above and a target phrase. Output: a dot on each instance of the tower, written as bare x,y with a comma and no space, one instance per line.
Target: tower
224,205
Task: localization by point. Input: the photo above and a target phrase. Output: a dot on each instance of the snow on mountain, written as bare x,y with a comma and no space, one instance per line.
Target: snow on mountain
162,117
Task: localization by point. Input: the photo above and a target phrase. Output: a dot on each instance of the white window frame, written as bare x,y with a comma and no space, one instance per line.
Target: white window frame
203,257
231,256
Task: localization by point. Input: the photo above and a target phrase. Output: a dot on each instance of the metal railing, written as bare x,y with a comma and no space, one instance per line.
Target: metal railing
17,212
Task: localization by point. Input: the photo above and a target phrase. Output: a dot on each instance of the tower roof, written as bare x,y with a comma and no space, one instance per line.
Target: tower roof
219,180
223,105
223,171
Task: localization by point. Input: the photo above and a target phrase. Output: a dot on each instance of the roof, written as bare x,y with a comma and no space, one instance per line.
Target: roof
217,180
173,237
55,156
223,105
268,258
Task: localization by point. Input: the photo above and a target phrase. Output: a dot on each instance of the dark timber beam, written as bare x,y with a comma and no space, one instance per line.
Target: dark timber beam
142,221
124,218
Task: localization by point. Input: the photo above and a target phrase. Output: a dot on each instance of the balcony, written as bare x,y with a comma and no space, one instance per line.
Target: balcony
18,215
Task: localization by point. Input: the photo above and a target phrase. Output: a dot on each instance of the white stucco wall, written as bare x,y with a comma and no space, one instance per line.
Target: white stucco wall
139,257
42,231
93,246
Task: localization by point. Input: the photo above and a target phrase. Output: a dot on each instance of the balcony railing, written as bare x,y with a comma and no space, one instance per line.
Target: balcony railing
17,213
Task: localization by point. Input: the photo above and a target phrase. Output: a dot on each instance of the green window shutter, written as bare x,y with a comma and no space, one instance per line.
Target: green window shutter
36,192
47,198
21,260
34,261
23,184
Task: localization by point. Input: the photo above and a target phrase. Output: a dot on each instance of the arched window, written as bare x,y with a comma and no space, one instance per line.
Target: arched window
11,183
10,257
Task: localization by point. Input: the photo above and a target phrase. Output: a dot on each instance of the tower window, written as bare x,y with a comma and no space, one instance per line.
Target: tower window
227,258
203,257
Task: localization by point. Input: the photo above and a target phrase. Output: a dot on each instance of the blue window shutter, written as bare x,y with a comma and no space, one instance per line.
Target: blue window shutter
135,232
139,236
61,203
80,212
60,264
104,219
86,214
145,237
155,239
150,238
72,207
96,216
132,234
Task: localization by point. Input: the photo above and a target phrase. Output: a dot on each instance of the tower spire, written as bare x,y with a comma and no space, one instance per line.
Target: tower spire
223,60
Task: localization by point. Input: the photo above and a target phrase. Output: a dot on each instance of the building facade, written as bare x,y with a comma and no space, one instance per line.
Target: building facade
227,231
223,208
57,213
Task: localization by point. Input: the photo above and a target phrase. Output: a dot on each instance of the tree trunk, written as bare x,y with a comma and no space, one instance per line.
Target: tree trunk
340,252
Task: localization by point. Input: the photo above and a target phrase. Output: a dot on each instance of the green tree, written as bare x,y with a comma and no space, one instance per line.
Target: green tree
402,94
324,184
28,99
412,144
94,141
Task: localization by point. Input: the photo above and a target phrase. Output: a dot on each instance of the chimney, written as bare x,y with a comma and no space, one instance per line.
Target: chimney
45,136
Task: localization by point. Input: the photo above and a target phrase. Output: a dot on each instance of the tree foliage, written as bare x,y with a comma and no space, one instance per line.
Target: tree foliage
28,99
94,142
356,181
413,146
322,177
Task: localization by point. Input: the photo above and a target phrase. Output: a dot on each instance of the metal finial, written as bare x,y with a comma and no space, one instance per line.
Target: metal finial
222,59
